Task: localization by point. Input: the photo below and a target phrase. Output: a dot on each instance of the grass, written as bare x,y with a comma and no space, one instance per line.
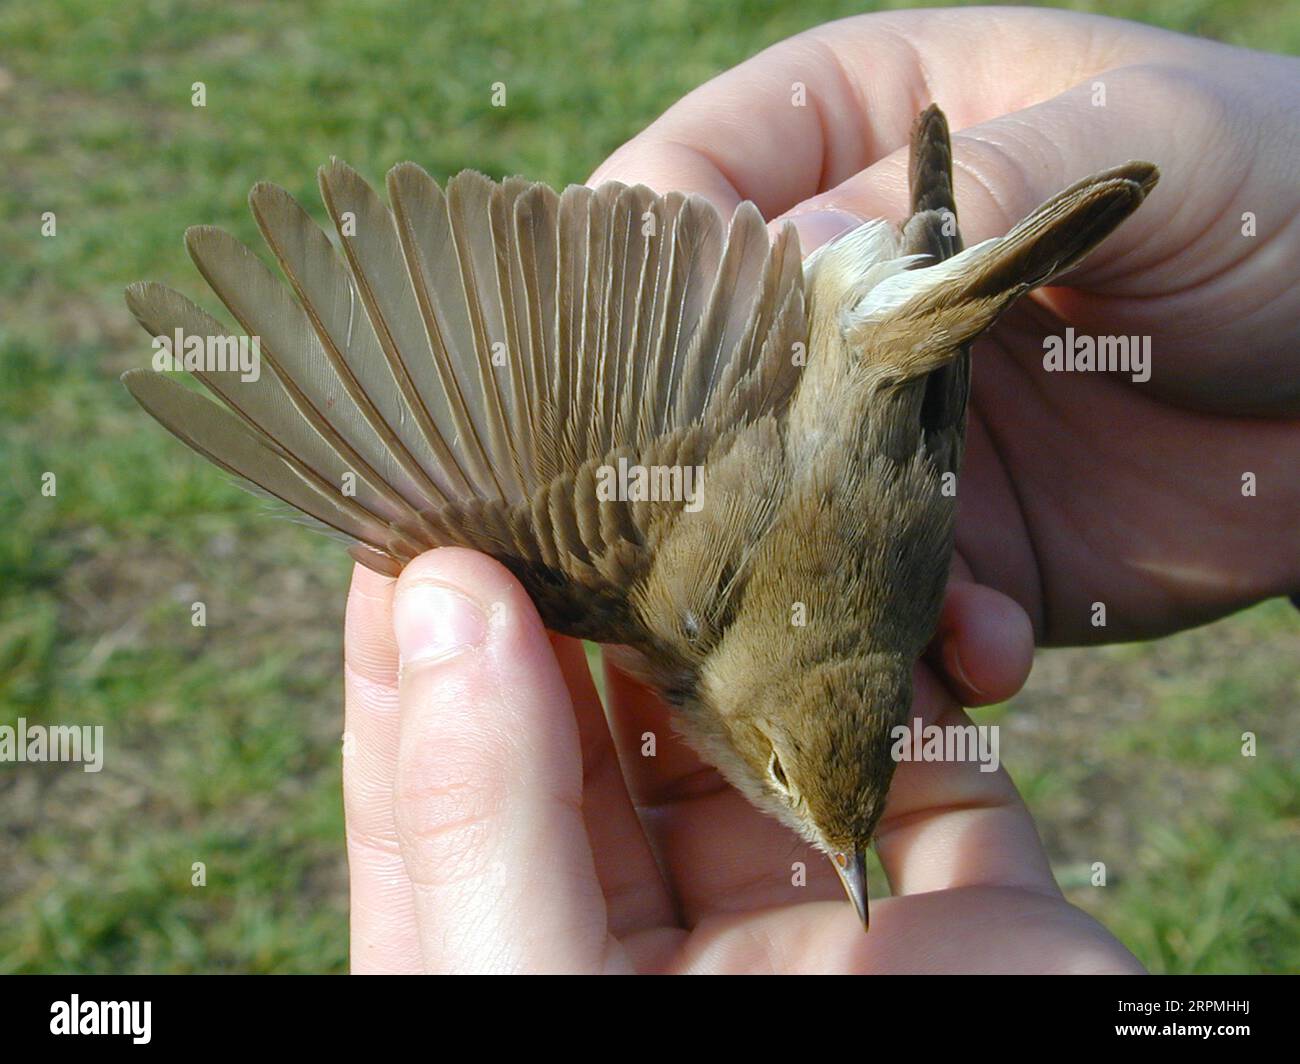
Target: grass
223,740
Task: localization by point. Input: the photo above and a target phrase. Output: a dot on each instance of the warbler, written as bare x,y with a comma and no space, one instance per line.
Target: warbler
679,436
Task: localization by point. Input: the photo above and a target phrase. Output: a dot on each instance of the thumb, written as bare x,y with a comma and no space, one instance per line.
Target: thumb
489,777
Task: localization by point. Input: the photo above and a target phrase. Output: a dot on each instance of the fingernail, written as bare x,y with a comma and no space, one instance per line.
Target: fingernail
815,228
952,662
434,621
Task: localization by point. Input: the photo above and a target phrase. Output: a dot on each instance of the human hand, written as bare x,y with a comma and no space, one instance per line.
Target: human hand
497,823
1078,487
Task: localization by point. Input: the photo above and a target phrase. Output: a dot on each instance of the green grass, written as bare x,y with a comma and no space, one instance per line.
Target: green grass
1135,760
223,741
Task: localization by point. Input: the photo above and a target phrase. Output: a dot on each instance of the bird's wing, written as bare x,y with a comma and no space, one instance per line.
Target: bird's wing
914,321
470,367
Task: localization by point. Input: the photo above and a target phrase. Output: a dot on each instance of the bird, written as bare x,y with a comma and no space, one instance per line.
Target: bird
683,438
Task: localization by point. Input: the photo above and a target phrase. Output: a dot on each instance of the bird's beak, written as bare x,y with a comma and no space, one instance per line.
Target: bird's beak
852,867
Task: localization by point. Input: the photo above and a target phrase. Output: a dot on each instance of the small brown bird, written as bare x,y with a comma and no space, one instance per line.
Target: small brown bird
674,434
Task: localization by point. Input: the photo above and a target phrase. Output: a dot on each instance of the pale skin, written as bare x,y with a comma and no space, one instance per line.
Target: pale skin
497,823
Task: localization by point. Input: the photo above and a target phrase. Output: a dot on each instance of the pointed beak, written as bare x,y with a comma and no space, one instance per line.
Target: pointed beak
852,867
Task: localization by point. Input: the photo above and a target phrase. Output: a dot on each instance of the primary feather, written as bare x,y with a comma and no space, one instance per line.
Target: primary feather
461,370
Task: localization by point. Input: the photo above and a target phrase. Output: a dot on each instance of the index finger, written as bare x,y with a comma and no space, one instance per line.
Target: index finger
949,824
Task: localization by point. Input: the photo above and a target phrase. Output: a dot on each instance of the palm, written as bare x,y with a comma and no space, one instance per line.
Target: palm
1082,488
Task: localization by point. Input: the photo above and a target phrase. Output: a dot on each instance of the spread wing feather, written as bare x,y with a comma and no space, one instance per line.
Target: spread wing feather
462,366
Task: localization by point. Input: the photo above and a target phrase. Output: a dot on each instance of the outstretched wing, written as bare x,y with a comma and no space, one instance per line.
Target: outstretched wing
473,363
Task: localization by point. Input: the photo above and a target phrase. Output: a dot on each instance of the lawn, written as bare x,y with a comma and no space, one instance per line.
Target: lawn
223,741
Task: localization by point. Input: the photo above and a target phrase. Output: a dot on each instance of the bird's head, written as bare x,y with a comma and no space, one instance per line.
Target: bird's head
813,749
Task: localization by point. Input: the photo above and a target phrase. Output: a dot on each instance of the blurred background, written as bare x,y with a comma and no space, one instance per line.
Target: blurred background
223,742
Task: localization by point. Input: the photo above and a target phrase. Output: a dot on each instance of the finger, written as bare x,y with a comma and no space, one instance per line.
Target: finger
985,930
381,902
658,765
810,112
1006,165
636,895
984,644
952,824
489,778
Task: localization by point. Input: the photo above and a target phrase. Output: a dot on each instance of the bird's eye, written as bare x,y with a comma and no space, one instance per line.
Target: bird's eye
777,773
